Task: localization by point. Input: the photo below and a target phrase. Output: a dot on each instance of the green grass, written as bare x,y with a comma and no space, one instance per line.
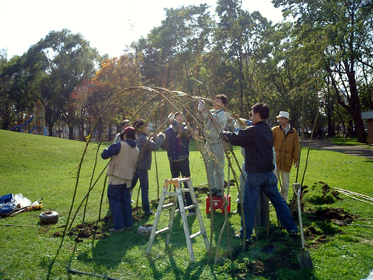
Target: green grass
343,141
39,166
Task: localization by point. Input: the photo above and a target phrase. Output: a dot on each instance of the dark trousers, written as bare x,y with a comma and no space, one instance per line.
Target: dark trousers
144,185
120,205
182,167
267,182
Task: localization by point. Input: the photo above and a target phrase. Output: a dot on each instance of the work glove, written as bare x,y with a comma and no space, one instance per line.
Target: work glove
171,117
201,105
240,124
181,94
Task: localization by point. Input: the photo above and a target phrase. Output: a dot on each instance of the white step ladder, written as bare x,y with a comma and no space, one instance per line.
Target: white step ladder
178,196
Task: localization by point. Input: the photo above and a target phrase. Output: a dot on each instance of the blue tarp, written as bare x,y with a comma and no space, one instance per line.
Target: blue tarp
7,205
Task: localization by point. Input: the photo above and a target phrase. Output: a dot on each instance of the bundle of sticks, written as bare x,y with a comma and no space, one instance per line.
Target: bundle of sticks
357,196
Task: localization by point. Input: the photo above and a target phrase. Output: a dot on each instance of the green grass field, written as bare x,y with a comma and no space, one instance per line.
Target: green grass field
46,167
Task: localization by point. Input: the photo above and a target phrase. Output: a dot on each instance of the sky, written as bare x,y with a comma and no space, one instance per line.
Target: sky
109,25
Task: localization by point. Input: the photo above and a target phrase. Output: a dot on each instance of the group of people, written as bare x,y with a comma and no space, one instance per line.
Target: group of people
268,157
134,153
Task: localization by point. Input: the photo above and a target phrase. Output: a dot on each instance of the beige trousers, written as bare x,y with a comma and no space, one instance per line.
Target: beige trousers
283,178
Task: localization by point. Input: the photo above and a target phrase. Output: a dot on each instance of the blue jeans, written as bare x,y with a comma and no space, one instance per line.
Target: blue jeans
144,185
266,182
261,210
261,207
120,205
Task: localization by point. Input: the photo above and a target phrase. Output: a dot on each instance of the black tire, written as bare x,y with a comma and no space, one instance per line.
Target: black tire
49,217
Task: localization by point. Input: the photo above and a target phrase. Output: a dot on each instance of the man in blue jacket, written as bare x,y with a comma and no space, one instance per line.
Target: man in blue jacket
258,142
177,145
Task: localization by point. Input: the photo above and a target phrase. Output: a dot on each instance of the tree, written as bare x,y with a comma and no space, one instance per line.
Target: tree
238,36
6,116
16,102
61,61
115,75
338,35
292,79
171,54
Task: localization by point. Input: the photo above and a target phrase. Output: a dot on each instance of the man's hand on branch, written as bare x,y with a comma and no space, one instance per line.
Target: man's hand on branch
201,105
171,117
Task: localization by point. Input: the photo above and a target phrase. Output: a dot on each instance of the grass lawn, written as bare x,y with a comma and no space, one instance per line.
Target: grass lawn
343,141
47,167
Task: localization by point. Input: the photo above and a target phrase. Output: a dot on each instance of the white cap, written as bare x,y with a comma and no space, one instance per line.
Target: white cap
283,114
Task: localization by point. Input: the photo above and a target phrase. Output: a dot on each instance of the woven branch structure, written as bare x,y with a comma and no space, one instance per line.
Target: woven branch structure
153,105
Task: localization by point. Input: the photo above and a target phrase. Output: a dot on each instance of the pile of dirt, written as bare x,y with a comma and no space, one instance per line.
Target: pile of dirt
331,214
320,193
326,190
267,266
86,231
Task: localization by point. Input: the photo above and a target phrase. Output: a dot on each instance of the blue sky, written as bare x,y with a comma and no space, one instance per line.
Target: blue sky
108,25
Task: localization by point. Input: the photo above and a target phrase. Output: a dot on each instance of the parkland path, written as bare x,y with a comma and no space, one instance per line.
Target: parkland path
325,144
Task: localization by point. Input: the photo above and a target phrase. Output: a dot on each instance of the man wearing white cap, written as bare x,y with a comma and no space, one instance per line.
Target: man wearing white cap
286,144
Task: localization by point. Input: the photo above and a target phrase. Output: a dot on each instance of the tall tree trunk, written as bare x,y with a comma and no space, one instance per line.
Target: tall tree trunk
241,87
331,127
359,128
356,113
82,131
71,132
353,106
50,129
109,133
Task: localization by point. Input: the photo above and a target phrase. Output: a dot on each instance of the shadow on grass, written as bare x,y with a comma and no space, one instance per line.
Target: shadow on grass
51,264
3,275
268,256
193,270
108,252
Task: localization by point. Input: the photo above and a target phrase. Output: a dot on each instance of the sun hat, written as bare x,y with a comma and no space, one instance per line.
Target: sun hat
283,114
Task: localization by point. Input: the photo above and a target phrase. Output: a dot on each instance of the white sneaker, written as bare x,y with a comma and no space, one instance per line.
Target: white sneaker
119,230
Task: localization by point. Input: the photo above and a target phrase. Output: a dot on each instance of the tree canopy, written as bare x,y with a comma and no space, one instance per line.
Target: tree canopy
318,59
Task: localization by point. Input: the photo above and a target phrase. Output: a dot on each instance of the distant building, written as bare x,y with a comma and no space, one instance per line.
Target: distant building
368,115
